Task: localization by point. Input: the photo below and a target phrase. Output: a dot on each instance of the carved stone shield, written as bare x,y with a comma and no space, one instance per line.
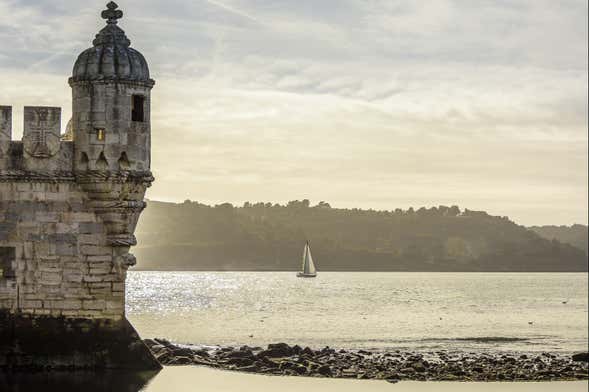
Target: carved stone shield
41,131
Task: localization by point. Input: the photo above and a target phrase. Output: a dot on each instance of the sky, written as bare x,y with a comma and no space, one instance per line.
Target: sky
377,104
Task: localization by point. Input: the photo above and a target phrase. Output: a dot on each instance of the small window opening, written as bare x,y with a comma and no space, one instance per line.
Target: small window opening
137,104
100,134
7,256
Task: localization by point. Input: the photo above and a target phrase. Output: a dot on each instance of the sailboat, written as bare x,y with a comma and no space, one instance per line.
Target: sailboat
308,268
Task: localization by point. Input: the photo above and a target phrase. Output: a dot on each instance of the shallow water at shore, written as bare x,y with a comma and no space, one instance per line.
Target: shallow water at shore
189,379
184,379
522,312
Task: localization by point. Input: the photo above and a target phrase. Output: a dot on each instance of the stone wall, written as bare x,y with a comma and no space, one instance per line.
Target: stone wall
64,235
64,252
63,264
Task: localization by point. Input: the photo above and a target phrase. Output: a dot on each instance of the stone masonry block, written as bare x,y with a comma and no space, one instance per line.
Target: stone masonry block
90,228
31,304
115,305
99,259
94,250
98,304
94,278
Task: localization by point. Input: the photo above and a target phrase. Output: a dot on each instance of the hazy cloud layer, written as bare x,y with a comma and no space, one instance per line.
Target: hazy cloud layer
380,104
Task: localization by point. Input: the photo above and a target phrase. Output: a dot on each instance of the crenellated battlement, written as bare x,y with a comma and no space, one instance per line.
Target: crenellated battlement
41,148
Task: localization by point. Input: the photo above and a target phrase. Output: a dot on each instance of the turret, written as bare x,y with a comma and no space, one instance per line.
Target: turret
111,130
111,102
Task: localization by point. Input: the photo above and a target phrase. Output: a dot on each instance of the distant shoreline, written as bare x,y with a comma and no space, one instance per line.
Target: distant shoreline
271,237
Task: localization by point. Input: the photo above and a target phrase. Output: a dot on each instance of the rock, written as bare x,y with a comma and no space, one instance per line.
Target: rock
182,352
349,373
277,350
267,362
250,368
580,357
285,365
163,356
240,362
300,369
200,361
296,349
180,361
327,350
308,351
150,342
324,370
418,367
202,353
509,360
238,354
164,342
156,348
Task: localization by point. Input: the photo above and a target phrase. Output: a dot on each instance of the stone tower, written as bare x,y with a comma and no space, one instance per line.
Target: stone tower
68,210
112,131
111,103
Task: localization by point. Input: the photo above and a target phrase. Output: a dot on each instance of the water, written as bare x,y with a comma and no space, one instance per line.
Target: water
420,311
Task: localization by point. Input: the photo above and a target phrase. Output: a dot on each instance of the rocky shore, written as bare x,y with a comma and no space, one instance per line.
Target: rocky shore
393,366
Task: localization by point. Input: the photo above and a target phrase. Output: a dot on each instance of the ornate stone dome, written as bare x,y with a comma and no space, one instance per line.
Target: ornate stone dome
111,57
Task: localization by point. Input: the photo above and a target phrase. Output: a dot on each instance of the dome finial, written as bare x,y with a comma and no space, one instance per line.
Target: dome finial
112,14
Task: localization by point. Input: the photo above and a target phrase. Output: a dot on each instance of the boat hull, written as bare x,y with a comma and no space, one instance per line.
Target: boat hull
303,275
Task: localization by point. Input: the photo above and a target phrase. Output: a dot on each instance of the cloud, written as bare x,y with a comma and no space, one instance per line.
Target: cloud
380,103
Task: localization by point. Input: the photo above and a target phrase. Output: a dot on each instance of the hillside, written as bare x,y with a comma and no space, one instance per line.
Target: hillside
265,236
575,235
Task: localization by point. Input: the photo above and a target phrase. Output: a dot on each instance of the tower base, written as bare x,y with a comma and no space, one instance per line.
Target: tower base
43,342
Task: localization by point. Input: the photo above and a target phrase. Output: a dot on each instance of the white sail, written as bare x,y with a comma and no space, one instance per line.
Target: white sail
310,264
304,260
308,267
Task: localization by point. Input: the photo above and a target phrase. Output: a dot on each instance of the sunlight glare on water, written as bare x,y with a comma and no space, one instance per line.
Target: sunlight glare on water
454,311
